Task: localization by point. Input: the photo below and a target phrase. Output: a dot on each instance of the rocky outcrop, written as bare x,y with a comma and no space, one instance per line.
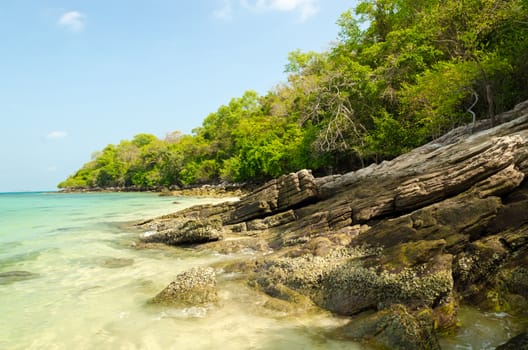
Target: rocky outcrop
406,239
192,288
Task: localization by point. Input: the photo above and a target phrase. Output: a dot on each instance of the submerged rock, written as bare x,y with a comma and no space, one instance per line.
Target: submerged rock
113,263
192,288
9,277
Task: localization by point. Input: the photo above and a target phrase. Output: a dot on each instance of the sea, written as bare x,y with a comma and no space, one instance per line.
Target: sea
71,277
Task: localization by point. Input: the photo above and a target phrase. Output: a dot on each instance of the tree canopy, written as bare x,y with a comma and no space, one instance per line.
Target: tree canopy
400,74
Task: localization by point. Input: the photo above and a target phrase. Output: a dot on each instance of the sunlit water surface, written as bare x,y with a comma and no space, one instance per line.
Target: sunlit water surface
71,279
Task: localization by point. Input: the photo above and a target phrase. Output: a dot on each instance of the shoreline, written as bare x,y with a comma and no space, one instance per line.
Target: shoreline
214,191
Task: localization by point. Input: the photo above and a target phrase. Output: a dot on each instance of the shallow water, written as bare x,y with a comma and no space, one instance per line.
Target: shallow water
483,330
70,279
73,281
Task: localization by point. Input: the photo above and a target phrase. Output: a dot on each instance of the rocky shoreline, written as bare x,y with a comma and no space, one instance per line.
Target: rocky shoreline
397,247
213,191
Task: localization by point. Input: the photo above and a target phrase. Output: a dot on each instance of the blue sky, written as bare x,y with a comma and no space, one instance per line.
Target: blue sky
78,75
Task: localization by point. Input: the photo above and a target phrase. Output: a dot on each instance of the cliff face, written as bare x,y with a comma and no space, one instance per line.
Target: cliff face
408,239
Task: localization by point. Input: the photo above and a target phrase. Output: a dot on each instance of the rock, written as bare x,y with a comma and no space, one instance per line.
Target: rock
113,263
454,220
513,214
519,342
395,328
246,245
192,288
493,272
271,221
444,224
185,232
479,163
214,191
349,281
356,286
445,316
501,183
510,285
9,277
286,192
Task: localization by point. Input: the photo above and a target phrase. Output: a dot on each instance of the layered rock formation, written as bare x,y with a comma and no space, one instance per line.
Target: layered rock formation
405,241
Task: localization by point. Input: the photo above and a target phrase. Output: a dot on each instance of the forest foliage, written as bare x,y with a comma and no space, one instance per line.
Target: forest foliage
400,74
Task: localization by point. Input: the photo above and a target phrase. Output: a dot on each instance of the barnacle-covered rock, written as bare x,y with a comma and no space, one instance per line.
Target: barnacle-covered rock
349,281
395,328
192,288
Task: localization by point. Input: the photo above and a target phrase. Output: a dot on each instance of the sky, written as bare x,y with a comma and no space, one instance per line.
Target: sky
78,75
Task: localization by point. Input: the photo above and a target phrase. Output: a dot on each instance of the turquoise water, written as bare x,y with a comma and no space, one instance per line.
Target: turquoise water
71,279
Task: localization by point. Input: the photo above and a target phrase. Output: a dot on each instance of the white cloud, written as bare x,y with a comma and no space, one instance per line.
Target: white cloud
51,168
225,12
305,8
56,134
73,20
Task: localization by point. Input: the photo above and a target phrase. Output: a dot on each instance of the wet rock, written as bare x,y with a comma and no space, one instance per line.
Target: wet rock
354,287
395,328
185,232
192,288
349,281
445,315
508,290
493,272
302,274
9,277
519,342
